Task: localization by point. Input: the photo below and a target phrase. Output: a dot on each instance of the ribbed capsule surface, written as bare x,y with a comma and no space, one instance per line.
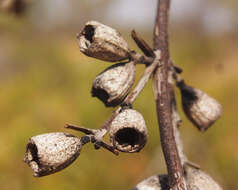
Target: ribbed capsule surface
196,179
201,109
128,132
156,182
102,42
51,152
112,85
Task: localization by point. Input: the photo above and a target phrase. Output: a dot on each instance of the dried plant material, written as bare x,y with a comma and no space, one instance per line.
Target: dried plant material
128,132
113,84
196,179
201,109
51,152
102,42
156,182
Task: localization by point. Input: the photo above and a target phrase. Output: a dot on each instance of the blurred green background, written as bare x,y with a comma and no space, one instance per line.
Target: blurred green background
45,82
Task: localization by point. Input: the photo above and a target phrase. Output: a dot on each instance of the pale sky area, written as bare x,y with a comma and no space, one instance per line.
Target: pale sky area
141,13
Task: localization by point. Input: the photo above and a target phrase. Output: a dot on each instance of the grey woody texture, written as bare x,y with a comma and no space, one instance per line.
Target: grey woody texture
128,132
201,109
163,98
102,42
156,182
114,84
198,180
51,152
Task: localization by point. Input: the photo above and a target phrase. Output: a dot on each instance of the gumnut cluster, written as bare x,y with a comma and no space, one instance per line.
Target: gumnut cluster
52,152
128,132
105,43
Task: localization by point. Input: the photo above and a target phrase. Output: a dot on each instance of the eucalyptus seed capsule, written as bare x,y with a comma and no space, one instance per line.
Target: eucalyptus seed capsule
156,182
102,42
201,109
51,152
197,179
128,132
113,84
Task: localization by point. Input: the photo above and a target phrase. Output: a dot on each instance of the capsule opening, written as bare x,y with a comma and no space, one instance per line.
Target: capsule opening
188,92
129,136
101,94
32,153
89,32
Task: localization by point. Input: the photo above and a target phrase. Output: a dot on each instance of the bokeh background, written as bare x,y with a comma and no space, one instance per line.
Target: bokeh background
45,82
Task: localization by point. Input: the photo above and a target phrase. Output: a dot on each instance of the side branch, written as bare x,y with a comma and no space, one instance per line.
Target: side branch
162,91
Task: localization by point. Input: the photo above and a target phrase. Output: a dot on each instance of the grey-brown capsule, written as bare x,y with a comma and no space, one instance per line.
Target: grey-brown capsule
51,152
201,109
128,132
102,42
156,182
112,85
196,179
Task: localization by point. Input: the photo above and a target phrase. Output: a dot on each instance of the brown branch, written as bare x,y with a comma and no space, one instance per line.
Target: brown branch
164,97
145,48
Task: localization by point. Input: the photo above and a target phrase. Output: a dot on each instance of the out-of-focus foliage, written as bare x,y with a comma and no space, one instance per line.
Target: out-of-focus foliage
45,82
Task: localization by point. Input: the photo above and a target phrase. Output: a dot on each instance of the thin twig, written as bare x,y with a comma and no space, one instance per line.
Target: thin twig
99,144
141,59
107,123
144,79
94,136
145,48
78,128
176,120
164,100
